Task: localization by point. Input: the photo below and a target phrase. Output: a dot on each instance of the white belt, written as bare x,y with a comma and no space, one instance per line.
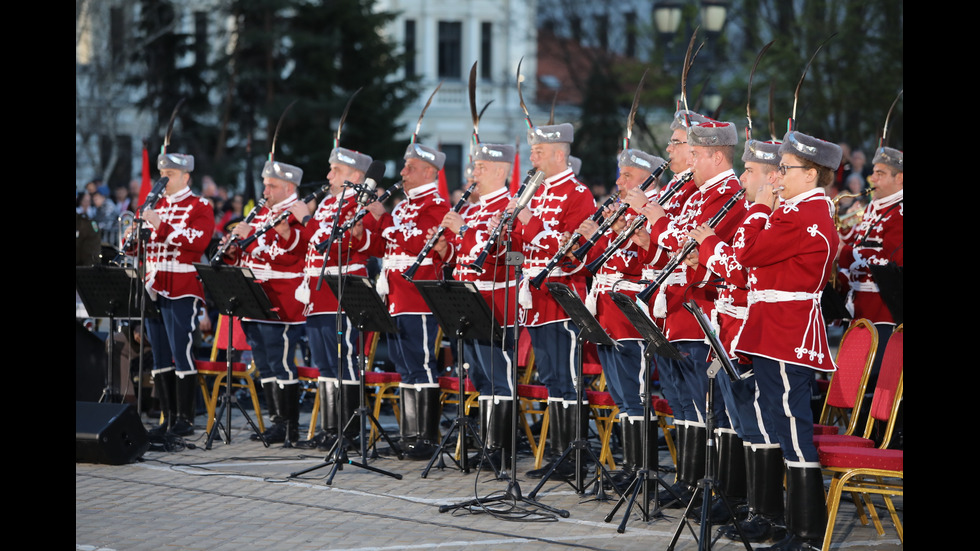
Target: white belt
772,295
333,270
676,278
865,286
605,282
727,306
402,262
266,273
491,285
177,268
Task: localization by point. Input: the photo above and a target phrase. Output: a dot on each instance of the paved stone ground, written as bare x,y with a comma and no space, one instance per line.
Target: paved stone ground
240,496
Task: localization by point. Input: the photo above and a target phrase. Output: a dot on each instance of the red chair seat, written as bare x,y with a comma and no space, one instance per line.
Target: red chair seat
305,372
533,392
597,398
381,377
846,457
850,441
222,367
825,429
452,384
661,405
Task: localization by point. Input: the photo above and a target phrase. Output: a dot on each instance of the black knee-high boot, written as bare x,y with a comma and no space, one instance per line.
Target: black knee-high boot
165,383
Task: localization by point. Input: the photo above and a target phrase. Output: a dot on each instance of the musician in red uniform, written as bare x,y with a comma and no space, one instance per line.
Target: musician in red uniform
276,258
625,366
656,257
751,445
413,348
712,153
789,250
182,226
471,229
557,208
347,255
878,240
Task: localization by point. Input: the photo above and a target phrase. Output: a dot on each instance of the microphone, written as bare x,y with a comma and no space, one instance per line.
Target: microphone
366,192
154,194
532,186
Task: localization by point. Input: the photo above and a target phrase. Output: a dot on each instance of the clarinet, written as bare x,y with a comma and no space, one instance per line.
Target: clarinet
477,264
572,241
636,224
608,222
328,242
645,294
231,240
410,272
315,197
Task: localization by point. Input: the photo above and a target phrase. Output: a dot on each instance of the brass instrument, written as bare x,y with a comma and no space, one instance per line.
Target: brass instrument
848,220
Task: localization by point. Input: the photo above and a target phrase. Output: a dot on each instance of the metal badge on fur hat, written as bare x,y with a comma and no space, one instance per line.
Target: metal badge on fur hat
639,159
891,157
556,133
757,151
344,156
289,173
712,134
686,119
178,161
432,156
575,164
498,153
823,153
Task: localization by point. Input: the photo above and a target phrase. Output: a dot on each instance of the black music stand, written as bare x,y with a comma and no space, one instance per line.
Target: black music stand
107,292
708,485
237,294
462,311
589,330
657,345
365,309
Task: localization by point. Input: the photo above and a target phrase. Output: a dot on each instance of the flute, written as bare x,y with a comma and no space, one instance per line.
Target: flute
672,264
410,272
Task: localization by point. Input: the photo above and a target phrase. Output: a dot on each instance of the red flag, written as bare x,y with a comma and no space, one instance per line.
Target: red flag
145,185
515,179
443,187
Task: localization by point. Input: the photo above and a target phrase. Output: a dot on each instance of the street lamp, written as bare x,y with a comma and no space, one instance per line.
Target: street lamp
713,15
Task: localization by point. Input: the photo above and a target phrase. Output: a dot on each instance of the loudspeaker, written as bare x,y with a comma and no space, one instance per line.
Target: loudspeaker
108,433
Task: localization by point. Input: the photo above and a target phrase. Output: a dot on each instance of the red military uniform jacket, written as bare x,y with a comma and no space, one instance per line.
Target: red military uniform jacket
789,254
671,234
350,254
878,240
277,262
405,234
559,205
731,306
621,273
186,226
493,283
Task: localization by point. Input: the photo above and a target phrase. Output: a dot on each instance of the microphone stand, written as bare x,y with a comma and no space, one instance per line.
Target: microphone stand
513,493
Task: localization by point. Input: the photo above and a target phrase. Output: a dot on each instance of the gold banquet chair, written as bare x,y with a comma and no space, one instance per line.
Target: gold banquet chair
216,372
855,355
863,471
